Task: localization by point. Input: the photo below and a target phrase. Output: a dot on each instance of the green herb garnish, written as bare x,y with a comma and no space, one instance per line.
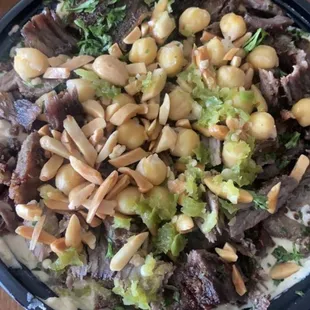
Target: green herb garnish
277,282
300,293
290,140
109,253
256,39
283,256
260,201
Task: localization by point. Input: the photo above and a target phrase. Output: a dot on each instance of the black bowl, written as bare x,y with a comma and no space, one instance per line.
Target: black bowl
20,283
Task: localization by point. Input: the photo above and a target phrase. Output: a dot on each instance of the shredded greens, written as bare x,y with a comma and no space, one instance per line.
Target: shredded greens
283,256
256,39
228,208
290,140
88,6
110,252
260,201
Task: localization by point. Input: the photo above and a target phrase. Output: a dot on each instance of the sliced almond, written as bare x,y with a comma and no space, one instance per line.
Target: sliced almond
93,108
59,246
56,205
133,87
152,67
79,194
219,132
229,247
27,232
58,60
56,73
108,147
202,57
30,212
143,184
87,172
77,62
153,111
54,146
91,127
115,51
240,42
236,61
231,53
122,183
167,140
124,255
133,36
44,131
249,75
206,37
106,207
129,158
97,137
283,271
100,194
164,110
73,236
36,232
144,29
125,113
118,150
227,255
143,109
50,168
94,223
89,239
273,196
56,134
300,168
136,68
184,123
238,281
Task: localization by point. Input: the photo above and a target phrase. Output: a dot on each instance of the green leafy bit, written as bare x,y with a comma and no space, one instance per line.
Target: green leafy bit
283,256
202,154
121,222
168,239
109,253
299,34
228,208
193,176
210,221
256,39
68,258
88,6
103,88
300,293
147,269
277,282
192,207
147,82
231,190
260,201
290,140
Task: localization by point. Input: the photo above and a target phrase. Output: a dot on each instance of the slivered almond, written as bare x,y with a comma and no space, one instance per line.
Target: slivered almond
136,68
91,127
133,36
26,232
79,194
100,194
89,239
93,108
50,192
125,113
154,130
59,246
240,42
58,60
128,158
231,53
118,150
56,73
144,29
184,123
227,255
219,132
106,207
94,223
273,196
30,212
283,271
80,140
73,236
229,247
164,111
50,168
54,146
115,51
124,255
56,205
153,111
238,281
143,108
97,137
77,62
249,75
111,109
143,184
300,168
56,134
134,87
122,183
87,172
36,232
68,142
260,103
44,131
108,147
167,140
207,36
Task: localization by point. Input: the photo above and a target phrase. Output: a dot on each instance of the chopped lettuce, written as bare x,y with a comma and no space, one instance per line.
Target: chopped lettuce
148,215
88,6
121,222
260,201
68,258
192,207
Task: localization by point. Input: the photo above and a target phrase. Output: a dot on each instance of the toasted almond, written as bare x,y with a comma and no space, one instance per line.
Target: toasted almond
122,183
97,137
47,191
124,255
152,67
111,110
80,140
146,123
79,194
106,207
105,101
273,196
50,168
73,236
56,134
133,87
226,255
153,111
143,109
100,194
56,73
144,29
36,232
128,158
56,205
238,281
136,68
240,42
167,140
94,223
184,224
133,36
87,172
54,146
93,108
115,51
283,271
206,37
59,246
300,168
236,61
118,150
108,147
249,75
68,142
44,131
231,53
219,132
27,231
58,60
89,239
229,247
125,113
77,62
30,212
143,184
184,123
202,57
91,127
164,110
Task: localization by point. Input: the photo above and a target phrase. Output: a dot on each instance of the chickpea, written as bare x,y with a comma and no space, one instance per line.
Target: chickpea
170,58
143,50
193,20
127,199
234,152
67,179
245,103
232,26
111,69
263,57
262,126
131,134
228,76
153,168
30,63
301,111
123,99
181,104
187,141
84,88
216,51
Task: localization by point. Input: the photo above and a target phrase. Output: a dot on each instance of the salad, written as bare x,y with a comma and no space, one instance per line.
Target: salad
155,154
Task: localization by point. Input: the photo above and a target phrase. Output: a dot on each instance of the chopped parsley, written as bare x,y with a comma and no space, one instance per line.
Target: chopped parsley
283,256
256,39
109,253
300,293
228,208
298,33
88,6
290,140
277,282
260,201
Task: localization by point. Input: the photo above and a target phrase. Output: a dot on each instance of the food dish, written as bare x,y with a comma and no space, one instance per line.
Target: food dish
186,76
